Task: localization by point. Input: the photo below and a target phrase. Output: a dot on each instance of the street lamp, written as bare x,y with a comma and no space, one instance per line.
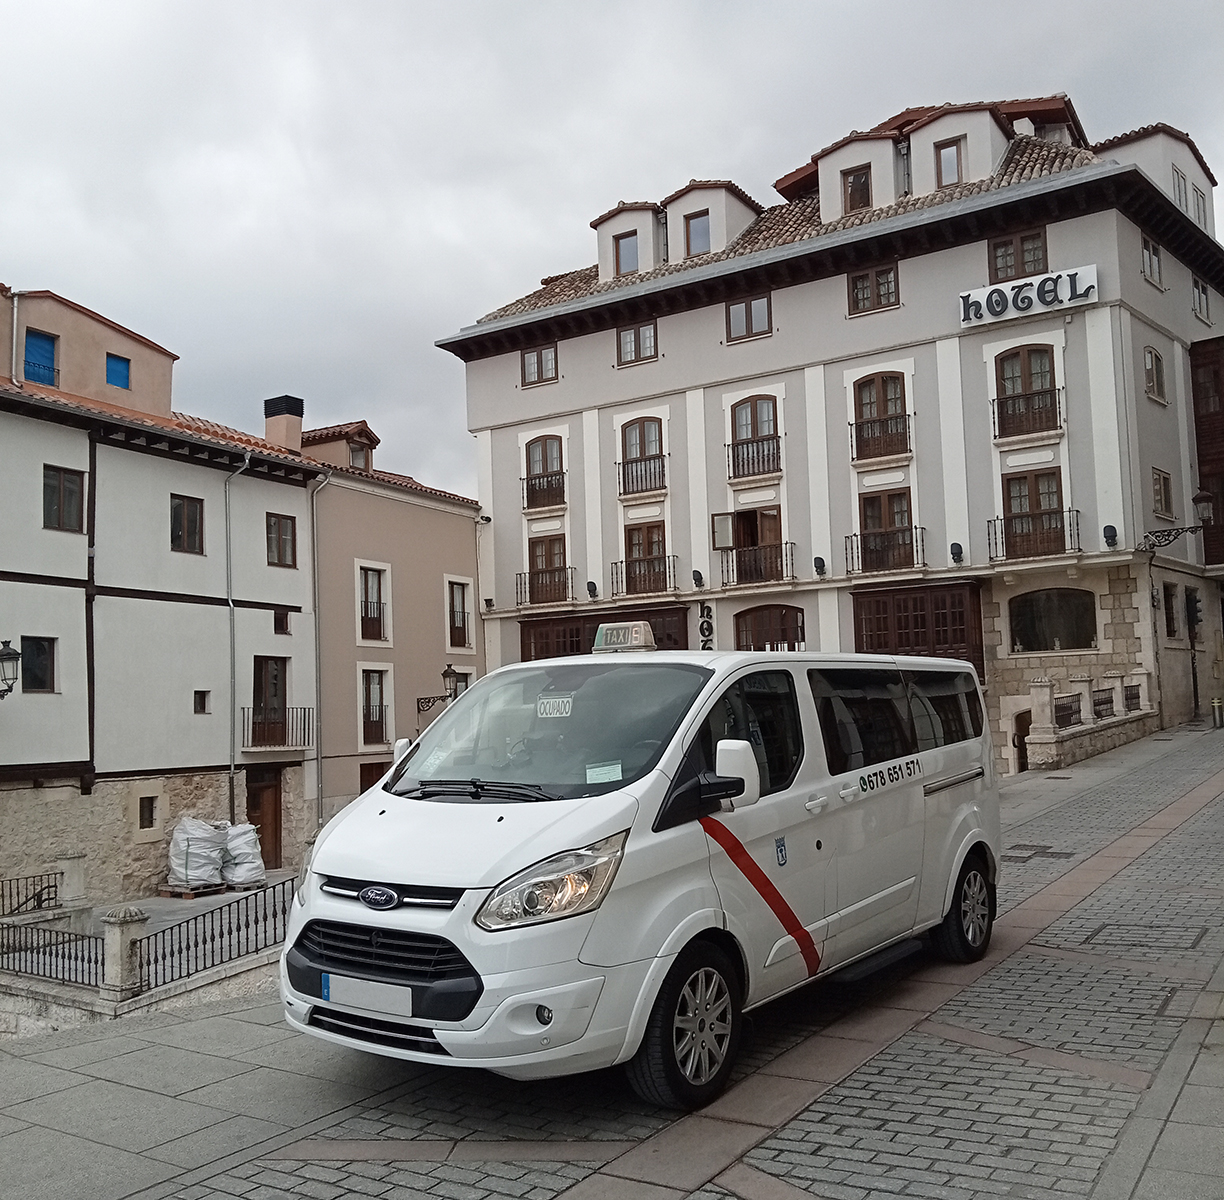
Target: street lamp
1157,538
450,685
10,660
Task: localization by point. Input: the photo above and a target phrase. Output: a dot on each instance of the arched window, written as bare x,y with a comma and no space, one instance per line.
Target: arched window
880,426
769,627
545,483
1027,391
754,437
1053,619
642,456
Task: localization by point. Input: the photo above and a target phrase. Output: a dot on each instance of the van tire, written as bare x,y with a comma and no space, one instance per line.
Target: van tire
704,977
963,935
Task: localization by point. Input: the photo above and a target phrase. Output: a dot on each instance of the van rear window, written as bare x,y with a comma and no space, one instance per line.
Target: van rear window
864,716
946,708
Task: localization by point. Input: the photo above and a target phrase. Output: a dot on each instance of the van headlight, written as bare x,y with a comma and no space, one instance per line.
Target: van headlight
303,876
562,886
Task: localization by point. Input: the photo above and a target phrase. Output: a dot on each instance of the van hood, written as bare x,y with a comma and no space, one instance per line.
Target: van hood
431,843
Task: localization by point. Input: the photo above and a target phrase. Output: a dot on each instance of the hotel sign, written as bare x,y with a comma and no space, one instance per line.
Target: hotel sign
1025,297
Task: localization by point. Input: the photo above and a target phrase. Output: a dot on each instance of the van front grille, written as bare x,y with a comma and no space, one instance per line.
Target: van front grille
380,1033
396,955
410,894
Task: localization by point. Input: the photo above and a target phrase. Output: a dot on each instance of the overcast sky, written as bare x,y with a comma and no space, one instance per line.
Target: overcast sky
301,197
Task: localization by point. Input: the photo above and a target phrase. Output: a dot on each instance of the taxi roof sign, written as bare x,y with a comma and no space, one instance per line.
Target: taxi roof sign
623,635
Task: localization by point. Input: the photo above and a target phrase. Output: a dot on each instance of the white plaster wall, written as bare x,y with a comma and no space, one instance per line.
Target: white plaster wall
983,146
647,225
729,217
1156,155
25,447
885,185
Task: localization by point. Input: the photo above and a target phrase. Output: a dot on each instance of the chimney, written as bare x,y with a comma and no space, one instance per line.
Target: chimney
283,422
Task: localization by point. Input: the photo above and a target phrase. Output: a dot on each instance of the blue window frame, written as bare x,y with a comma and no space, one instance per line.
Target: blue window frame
40,357
118,371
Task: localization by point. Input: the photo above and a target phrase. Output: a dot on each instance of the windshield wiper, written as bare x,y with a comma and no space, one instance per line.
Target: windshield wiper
477,788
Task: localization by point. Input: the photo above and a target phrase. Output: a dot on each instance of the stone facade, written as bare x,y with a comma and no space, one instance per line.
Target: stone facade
122,861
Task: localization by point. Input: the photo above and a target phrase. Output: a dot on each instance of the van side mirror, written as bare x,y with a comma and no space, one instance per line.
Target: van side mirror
402,746
735,759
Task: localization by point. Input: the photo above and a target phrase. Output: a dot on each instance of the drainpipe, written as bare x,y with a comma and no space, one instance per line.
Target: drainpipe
229,599
13,361
314,569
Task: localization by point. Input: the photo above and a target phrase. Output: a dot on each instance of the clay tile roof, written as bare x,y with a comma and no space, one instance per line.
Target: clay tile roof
799,220
1146,131
339,433
625,206
734,188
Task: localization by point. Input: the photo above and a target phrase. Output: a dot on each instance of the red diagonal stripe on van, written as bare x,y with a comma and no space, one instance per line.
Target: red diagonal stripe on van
738,854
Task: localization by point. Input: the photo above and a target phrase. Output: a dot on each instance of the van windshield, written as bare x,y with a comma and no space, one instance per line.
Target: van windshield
552,731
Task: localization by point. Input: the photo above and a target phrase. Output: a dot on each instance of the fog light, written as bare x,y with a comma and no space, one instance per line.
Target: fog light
543,1014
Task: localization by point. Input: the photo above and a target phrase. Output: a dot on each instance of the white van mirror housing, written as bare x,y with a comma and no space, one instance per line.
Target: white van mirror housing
736,758
402,746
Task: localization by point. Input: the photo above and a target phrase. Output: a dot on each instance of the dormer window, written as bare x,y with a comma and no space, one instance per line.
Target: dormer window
697,234
856,189
949,168
625,247
359,456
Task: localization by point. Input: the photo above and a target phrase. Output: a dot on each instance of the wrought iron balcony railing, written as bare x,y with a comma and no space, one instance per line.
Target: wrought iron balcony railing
880,437
41,373
640,576
758,564
1031,412
643,475
544,491
458,625
550,585
886,549
284,728
1034,535
374,724
759,456
373,627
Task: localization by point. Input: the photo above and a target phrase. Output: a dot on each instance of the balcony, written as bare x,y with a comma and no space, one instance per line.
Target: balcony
1034,535
374,724
41,373
643,475
759,564
373,628
551,585
641,576
759,456
544,491
880,437
458,626
279,728
1031,412
886,550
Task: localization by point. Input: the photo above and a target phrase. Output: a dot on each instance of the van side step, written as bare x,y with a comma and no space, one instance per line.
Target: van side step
878,961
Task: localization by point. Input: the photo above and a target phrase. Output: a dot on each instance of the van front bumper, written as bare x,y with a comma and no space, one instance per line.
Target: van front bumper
550,1020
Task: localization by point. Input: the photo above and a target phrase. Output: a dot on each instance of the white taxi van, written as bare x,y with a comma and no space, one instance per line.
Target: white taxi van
610,858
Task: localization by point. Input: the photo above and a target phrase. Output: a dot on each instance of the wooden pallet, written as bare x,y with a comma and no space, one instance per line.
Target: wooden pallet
248,887
190,893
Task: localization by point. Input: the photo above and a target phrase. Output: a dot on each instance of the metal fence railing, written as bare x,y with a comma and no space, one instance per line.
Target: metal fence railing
1067,711
51,954
289,727
244,926
1102,703
30,893
1130,697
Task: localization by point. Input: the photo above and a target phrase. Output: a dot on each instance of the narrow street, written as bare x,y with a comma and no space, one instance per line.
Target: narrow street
1083,1056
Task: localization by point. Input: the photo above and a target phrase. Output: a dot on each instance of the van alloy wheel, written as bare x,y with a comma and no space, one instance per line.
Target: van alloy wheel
964,933
975,908
701,1029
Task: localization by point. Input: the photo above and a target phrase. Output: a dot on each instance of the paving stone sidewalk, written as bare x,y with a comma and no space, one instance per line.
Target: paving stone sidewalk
1081,1057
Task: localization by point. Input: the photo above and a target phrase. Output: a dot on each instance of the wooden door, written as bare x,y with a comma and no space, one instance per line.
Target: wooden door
269,716
263,810
1024,722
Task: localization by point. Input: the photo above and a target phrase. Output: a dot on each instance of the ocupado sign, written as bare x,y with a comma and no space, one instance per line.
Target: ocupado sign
1025,297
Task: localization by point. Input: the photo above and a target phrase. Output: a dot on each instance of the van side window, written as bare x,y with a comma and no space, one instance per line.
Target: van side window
761,709
946,708
864,716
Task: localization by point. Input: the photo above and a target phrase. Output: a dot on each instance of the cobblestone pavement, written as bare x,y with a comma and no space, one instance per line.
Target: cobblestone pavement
1080,1058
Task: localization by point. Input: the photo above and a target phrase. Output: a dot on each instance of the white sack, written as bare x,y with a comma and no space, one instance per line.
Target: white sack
196,849
243,865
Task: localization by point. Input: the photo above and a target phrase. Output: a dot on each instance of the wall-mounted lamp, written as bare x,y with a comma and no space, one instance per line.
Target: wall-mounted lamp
485,520
592,589
698,579
818,565
1110,534
958,553
489,603
1202,506
10,660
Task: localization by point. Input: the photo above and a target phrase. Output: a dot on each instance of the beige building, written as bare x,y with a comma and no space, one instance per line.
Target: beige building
396,599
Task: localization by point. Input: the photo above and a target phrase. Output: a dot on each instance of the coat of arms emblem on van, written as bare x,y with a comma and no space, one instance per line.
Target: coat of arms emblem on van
377,896
780,849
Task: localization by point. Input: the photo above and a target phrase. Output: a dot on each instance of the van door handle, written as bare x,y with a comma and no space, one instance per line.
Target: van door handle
816,803
847,793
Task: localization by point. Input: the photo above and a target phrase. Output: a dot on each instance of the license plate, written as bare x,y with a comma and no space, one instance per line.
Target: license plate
366,994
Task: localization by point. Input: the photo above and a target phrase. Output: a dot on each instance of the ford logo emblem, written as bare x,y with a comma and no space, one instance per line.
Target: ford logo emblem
378,897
